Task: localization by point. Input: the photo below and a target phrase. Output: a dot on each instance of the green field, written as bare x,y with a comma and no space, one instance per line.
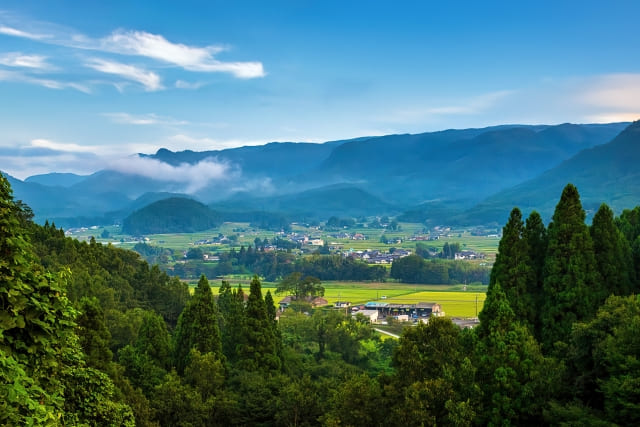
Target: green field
454,301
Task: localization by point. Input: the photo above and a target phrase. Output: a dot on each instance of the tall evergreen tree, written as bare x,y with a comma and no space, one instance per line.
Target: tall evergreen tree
233,321
515,379
613,254
513,269
629,225
197,326
571,283
535,234
259,349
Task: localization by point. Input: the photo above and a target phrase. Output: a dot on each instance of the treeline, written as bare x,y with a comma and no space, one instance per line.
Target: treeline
273,265
415,269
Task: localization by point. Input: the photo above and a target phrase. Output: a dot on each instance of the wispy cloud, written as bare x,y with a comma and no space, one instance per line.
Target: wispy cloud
155,49
18,59
9,31
61,146
193,176
149,79
181,84
469,106
13,76
144,119
188,57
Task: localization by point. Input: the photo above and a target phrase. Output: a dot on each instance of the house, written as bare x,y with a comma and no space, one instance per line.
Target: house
371,315
342,304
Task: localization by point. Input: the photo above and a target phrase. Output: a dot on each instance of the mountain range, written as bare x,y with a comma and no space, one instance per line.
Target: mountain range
469,176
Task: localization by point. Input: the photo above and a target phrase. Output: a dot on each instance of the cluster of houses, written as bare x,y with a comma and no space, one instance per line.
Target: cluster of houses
377,257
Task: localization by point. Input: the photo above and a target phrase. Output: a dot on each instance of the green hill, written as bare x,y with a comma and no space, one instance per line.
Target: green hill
173,215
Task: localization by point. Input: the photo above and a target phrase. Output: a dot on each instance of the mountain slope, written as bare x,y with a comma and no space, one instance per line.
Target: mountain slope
606,173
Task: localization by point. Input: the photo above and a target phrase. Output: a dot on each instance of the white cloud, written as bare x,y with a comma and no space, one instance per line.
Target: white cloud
9,31
144,119
17,59
62,146
193,176
149,79
12,76
188,57
181,84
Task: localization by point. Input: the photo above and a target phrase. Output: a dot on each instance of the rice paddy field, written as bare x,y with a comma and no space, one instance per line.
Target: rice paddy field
454,300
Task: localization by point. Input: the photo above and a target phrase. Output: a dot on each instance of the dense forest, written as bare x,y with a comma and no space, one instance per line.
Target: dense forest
93,335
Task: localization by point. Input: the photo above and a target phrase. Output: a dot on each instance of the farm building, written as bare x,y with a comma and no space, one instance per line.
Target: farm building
420,309
372,315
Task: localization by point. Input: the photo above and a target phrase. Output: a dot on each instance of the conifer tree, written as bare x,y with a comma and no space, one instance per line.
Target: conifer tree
513,269
197,326
233,321
571,282
535,234
613,255
259,349
515,379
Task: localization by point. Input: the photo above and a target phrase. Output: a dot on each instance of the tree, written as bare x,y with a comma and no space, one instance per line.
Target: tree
301,287
197,326
535,234
613,254
514,377
232,320
513,270
259,349
604,362
94,334
42,370
571,283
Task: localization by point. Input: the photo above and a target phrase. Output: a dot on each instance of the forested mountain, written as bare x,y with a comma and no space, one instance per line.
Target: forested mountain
439,172
172,215
91,335
608,172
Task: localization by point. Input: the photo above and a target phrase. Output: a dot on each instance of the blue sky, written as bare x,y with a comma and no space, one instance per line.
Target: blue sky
84,84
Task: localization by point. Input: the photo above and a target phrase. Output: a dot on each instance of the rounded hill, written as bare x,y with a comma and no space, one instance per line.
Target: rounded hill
172,215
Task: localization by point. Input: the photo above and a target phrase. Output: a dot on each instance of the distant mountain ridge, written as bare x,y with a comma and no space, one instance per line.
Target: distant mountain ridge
441,175
606,173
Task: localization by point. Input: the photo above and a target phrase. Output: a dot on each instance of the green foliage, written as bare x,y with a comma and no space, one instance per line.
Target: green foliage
604,361
43,378
197,327
94,334
515,378
259,348
572,287
613,254
172,215
513,270
415,269
300,287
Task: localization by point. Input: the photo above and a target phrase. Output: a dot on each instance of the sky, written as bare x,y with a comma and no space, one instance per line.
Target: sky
86,84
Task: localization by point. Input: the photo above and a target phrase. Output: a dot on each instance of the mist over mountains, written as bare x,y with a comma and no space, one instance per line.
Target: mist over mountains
469,176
